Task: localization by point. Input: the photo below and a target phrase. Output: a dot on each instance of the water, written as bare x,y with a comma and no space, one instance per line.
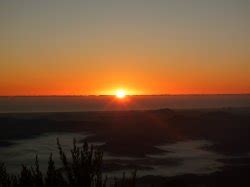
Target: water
179,158
103,103
24,151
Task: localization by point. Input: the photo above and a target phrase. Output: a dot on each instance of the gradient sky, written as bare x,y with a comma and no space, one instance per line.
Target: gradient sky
53,47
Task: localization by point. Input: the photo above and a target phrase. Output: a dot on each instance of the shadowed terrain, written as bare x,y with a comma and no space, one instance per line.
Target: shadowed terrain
137,134
125,131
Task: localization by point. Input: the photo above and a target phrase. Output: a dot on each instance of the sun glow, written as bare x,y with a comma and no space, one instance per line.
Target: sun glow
120,94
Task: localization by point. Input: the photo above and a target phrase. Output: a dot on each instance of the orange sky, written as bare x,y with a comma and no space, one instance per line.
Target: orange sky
103,76
162,47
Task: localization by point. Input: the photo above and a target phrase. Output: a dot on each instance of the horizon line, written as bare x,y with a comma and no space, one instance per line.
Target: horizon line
103,95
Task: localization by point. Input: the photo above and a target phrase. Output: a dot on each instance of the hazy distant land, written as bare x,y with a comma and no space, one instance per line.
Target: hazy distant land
109,103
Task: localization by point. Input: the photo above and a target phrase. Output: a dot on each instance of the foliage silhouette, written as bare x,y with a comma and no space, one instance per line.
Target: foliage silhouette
84,169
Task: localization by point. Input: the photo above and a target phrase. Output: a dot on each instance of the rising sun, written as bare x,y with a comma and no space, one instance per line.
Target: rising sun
120,94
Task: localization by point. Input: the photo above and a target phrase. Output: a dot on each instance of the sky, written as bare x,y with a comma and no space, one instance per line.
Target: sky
62,47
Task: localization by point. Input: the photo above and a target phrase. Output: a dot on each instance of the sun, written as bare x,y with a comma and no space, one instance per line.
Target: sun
120,94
